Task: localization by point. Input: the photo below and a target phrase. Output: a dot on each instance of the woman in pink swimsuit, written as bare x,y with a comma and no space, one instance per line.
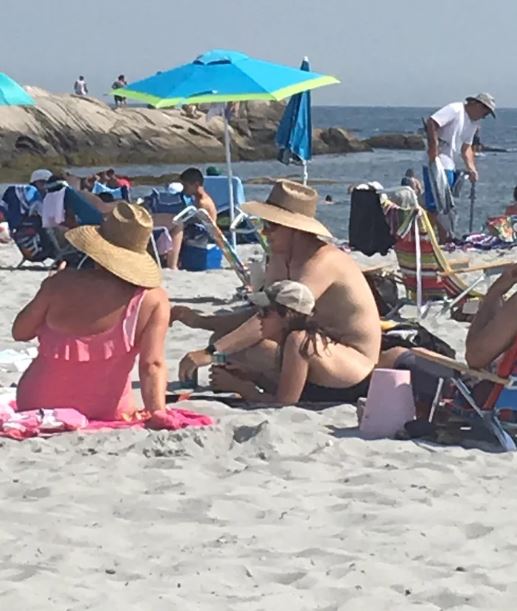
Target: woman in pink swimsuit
91,325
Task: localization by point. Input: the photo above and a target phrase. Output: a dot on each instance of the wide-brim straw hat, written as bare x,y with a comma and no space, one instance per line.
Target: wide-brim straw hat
120,244
290,204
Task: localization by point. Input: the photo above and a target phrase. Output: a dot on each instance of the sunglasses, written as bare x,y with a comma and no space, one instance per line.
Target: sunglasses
263,312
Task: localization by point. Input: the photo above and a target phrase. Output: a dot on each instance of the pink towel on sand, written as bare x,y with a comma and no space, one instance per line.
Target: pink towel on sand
46,422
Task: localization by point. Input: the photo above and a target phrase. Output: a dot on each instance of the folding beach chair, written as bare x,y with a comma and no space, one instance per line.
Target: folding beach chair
425,271
243,226
220,240
497,412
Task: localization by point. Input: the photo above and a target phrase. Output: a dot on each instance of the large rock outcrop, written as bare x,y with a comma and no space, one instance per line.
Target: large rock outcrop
66,130
414,142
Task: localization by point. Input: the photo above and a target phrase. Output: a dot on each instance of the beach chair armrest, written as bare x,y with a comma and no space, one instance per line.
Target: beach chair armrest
444,361
492,268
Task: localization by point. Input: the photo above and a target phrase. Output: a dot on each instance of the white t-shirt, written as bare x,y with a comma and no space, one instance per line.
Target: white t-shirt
455,129
80,87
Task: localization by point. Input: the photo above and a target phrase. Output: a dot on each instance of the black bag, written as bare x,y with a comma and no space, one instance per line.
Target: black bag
385,292
414,335
368,230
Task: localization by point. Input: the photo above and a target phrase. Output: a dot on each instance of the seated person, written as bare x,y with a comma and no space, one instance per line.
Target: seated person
312,365
512,208
83,187
39,179
192,180
345,306
87,347
491,334
410,180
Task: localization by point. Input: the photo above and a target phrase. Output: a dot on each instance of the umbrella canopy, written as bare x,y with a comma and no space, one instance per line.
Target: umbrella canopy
223,76
294,136
12,94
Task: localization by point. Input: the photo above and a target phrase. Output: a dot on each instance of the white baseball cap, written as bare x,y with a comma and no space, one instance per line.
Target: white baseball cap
41,174
293,295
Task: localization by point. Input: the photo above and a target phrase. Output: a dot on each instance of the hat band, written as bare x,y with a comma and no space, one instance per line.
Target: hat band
133,243
309,212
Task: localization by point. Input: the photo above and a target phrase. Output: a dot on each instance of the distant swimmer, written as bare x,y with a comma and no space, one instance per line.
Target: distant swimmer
328,200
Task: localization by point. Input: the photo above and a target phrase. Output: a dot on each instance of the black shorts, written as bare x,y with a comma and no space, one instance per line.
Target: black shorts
314,393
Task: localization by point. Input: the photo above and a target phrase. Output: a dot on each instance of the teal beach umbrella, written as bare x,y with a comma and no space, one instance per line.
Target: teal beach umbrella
12,94
222,76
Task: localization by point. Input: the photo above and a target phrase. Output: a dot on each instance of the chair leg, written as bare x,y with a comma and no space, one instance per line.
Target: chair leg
490,420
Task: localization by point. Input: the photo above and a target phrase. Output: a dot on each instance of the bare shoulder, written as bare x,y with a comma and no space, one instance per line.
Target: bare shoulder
294,341
62,279
156,297
330,256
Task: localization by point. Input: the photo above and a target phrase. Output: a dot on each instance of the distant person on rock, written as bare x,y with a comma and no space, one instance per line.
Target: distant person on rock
118,84
80,86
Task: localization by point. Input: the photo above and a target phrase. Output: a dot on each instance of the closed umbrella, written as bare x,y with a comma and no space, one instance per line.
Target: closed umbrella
12,94
222,76
294,136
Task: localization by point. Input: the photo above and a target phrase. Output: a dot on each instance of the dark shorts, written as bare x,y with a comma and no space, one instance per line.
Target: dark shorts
315,393
424,375
119,99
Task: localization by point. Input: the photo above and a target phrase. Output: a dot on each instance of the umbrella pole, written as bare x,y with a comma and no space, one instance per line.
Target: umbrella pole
472,203
229,173
305,173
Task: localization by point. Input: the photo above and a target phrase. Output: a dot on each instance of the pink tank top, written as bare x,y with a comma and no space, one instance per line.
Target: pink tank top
91,374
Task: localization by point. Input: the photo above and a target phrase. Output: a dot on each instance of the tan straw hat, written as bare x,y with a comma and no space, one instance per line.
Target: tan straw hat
119,245
292,205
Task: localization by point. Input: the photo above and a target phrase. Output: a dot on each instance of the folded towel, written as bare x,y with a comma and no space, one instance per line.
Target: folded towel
53,213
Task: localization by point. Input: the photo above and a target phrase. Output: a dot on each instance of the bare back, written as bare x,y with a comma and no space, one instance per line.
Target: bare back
206,203
345,306
88,302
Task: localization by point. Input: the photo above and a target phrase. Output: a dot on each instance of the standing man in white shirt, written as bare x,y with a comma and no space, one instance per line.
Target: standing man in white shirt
450,132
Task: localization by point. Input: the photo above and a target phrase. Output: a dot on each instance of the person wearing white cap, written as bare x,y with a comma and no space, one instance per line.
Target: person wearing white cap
312,366
39,179
450,133
300,251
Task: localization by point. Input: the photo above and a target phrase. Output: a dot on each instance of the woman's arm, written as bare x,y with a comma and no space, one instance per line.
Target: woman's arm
293,376
151,365
294,372
30,319
494,327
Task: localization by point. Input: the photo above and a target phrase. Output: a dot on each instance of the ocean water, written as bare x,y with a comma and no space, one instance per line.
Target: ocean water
498,171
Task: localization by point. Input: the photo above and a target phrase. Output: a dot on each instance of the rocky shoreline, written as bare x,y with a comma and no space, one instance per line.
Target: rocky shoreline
66,130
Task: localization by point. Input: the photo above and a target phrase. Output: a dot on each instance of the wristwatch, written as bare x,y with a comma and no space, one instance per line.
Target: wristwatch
211,349
218,358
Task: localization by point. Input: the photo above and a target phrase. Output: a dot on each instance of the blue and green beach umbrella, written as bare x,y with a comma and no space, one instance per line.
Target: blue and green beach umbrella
222,76
12,94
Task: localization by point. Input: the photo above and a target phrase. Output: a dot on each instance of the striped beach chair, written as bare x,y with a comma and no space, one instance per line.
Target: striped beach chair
425,270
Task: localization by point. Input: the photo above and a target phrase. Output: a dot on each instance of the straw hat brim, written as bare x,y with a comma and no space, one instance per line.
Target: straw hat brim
294,220
136,268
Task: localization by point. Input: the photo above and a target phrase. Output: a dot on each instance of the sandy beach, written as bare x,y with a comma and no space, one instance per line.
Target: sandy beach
266,509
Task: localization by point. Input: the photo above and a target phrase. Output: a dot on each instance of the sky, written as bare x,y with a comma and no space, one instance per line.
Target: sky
385,52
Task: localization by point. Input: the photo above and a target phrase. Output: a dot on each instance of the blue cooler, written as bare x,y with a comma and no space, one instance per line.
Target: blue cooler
201,257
